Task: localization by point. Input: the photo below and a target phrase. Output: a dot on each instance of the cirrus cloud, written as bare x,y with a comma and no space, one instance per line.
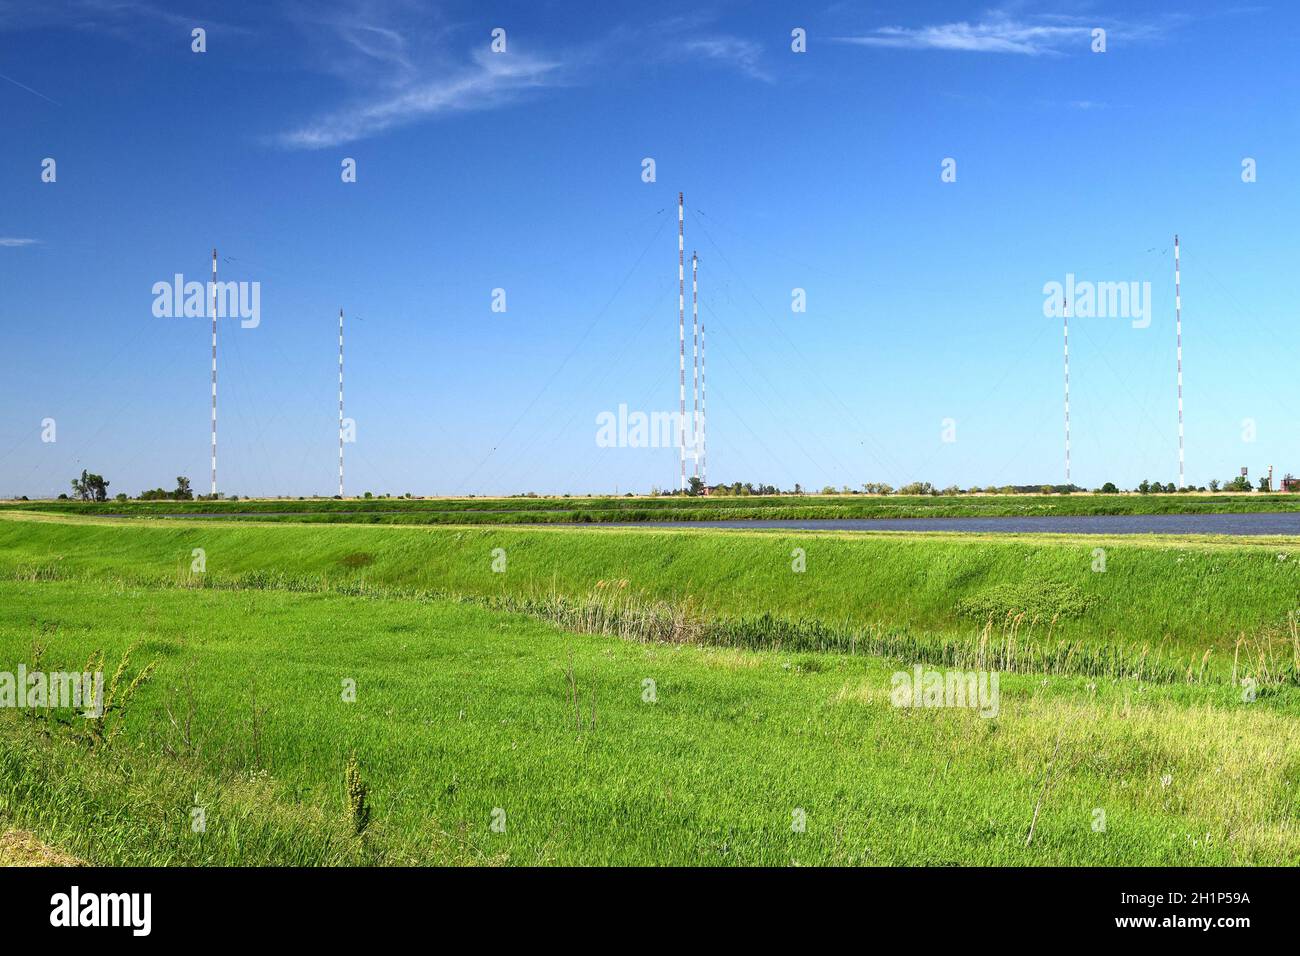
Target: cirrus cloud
997,32
490,80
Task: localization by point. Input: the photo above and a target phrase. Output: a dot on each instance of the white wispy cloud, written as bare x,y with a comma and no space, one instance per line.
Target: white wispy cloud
10,242
691,38
121,19
744,55
490,80
396,63
387,61
379,43
393,77
995,33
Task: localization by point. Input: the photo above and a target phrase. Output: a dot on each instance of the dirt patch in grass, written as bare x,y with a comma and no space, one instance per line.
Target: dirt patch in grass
20,848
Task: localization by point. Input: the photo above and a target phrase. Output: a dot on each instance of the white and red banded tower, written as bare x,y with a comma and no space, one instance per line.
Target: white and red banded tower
1178,326
1065,312
214,372
704,408
681,331
695,356
340,403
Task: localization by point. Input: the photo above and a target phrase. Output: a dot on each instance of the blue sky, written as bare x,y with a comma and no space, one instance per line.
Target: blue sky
522,171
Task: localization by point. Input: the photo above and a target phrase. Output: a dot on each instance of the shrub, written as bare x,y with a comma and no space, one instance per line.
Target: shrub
357,794
1044,600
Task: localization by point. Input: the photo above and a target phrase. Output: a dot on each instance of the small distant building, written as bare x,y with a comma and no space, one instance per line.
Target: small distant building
1290,483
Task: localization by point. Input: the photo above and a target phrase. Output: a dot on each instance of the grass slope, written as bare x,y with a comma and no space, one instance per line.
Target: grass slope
1176,598
460,711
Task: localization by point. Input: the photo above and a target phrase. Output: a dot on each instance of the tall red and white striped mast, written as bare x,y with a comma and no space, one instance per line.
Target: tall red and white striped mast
681,331
1178,325
704,410
340,403
1065,312
214,372
695,350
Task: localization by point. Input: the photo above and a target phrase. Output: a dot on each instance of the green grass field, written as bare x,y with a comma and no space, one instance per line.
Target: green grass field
772,695
1168,599
525,510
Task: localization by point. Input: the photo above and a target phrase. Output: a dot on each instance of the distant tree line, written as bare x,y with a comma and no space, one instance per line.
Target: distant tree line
182,492
743,489
91,487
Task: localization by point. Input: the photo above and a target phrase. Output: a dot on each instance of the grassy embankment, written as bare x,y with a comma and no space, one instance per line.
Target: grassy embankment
1162,603
462,709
